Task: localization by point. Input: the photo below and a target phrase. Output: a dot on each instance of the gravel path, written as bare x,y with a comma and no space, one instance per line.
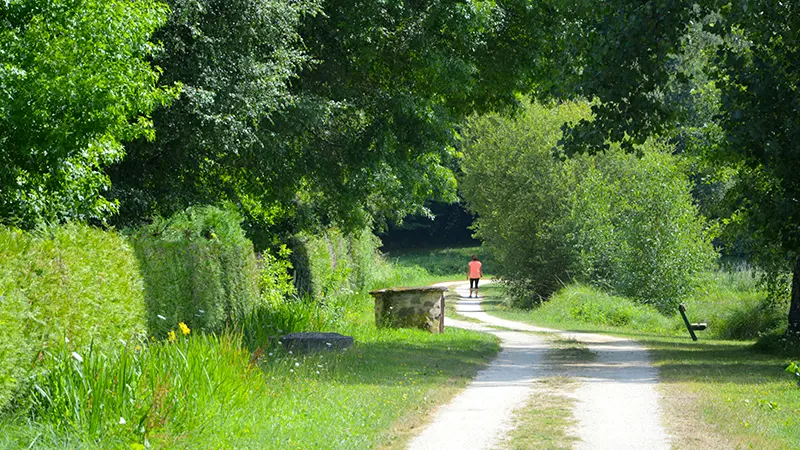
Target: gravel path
616,401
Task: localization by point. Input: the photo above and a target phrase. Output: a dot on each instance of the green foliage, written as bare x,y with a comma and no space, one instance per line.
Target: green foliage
72,282
75,83
634,227
620,222
334,263
794,368
198,268
307,114
743,79
275,282
587,305
520,193
235,60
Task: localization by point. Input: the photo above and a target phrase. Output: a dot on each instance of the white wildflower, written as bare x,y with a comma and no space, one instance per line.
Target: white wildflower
77,357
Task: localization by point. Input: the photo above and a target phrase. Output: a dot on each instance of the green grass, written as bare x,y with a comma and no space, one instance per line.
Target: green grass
442,264
545,419
205,391
717,393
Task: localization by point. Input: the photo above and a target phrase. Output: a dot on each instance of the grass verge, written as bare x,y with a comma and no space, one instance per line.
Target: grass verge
545,420
206,392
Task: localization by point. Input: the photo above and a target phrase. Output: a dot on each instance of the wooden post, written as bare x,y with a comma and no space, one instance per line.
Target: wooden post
682,309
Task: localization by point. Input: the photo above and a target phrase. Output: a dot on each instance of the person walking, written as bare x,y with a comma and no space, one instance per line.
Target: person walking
474,274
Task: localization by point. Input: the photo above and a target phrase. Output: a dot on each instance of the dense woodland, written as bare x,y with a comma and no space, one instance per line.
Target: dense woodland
622,144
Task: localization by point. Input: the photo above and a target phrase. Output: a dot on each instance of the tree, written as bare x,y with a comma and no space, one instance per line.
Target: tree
235,60
520,195
359,119
624,46
624,223
74,85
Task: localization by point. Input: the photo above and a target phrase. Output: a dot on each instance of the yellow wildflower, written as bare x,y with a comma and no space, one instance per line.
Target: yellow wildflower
184,329
171,336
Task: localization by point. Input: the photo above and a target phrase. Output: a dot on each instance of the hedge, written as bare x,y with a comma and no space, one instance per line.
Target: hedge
72,284
333,263
198,268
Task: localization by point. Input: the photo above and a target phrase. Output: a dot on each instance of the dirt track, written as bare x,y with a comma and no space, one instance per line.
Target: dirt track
617,406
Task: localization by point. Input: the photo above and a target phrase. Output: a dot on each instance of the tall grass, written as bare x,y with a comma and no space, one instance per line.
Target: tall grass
732,302
208,391
135,392
585,307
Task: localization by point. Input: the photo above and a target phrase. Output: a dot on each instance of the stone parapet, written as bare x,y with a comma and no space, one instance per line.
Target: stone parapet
410,307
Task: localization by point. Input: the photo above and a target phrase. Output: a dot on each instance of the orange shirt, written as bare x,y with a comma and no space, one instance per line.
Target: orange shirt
474,269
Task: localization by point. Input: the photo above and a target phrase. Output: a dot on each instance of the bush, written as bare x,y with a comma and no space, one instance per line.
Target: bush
619,222
633,227
198,268
73,283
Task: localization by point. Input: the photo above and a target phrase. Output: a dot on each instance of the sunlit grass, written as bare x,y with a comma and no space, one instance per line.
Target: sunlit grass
210,392
443,264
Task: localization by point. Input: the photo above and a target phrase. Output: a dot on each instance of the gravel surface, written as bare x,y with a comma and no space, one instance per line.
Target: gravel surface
617,405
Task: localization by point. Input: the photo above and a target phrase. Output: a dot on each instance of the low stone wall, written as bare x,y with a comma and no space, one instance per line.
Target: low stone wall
413,307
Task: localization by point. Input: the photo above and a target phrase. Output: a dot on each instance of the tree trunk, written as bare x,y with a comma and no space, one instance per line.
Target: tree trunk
794,306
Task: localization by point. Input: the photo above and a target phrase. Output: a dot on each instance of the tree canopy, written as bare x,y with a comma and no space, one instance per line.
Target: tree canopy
75,84
623,58
317,114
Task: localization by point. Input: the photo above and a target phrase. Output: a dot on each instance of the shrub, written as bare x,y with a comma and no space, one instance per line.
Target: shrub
198,268
72,282
275,281
751,321
633,227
